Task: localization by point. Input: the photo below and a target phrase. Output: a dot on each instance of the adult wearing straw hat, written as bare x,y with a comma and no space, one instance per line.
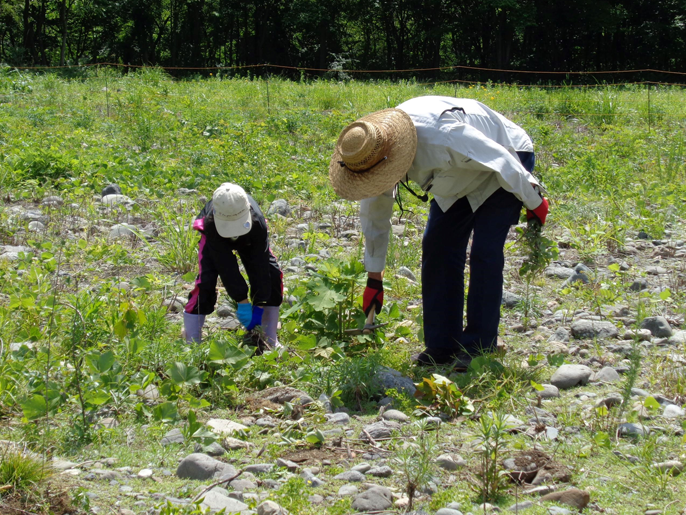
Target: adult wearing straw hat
232,222
478,166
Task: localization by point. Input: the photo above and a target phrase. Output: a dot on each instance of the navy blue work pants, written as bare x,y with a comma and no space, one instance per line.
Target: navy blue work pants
444,249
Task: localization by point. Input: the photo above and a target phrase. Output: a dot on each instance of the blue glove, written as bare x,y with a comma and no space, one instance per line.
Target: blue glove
257,313
244,313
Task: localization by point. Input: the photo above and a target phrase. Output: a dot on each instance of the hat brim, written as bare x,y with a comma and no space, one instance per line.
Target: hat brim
400,151
233,228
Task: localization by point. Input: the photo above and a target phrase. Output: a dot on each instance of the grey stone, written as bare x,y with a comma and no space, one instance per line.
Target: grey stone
394,414
224,312
279,207
673,411
201,466
350,476
112,189
611,400
173,436
376,498
384,471
338,418
549,391
117,200
215,501
639,284
378,430
122,231
403,271
450,461
362,467
174,305
568,376
213,449
287,464
556,510
678,337
11,252
282,394
36,226
560,272
641,335
311,479
560,335
433,421
672,467
521,506
225,427
632,430
448,511
576,278
656,270
658,326
233,444
265,422
589,329
510,300
145,473
640,392
52,200
606,375
390,378
271,508
347,490
241,485
259,468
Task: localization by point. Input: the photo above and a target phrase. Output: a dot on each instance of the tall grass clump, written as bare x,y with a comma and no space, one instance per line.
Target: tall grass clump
19,470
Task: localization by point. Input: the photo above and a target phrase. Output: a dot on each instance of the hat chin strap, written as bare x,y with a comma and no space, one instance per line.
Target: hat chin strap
343,165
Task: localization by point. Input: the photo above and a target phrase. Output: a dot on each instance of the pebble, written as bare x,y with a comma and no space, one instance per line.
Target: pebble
642,335
225,427
215,501
590,329
606,375
279,207
233,444
145,473
173,436
521,506
560,272
658,326
347,490
448,511
639,284
549,391
403,271
673,411
202,467
377,498
450,461
350,476
572,497
311,479
394,414
672,467
384,471
259,468
338,418
363,468
560,335
568,376
632,430
510,300
390,378
378,430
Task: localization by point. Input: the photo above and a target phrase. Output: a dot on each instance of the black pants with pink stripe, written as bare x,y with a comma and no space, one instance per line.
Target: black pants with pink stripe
203,298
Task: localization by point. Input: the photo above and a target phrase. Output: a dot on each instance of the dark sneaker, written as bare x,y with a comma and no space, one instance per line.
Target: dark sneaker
459,362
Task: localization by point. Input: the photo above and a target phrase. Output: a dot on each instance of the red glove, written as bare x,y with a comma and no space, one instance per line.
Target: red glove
373,296
541,212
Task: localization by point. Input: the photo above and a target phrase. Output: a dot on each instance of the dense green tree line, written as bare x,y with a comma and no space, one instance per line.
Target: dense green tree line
377,34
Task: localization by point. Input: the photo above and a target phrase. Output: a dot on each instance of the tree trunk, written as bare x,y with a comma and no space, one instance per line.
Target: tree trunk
63,16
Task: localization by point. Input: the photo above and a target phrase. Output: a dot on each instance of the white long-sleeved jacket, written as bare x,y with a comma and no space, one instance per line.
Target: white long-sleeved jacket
464,149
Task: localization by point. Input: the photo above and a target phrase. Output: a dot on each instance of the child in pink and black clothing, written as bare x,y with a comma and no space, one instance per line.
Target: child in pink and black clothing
229,224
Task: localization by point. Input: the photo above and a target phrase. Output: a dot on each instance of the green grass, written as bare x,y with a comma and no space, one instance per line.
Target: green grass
89,310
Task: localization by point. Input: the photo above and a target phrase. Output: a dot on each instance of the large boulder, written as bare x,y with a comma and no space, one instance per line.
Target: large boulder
201,467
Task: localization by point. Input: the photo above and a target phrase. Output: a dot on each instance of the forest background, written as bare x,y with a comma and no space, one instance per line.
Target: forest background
533,35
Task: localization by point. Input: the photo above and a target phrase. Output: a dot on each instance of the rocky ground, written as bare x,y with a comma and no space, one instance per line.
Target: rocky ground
602,332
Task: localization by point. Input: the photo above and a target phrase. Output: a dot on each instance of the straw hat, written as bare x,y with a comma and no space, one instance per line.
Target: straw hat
373,154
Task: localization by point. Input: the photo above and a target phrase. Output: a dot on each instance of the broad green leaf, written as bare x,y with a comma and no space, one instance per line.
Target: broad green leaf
305,342
189,277
34,407
223,353
537,386
97,397
183,374
665,294
165,412
120,329
651,404
602,439
556,360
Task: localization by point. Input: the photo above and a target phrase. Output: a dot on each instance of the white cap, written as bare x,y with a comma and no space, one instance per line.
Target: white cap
231,208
